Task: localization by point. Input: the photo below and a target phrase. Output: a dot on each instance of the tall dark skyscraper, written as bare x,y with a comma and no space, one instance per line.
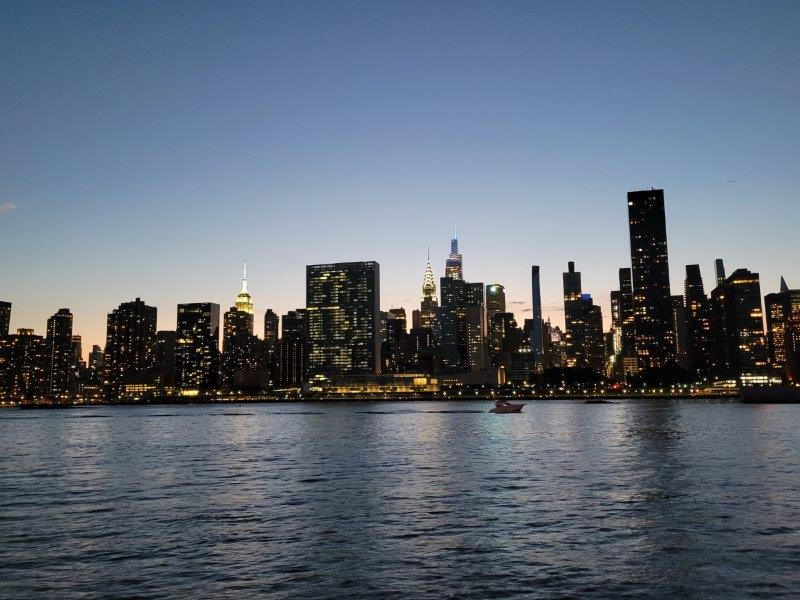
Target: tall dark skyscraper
271,329
197,359
60,354
679,330
719,271
652,304
293,360
495,303
130,347
698,324
536,332
5,318
453,268
165,358
740,348
572,313
585,347
343,321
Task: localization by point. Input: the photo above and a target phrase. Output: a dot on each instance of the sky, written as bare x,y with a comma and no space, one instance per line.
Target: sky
148,148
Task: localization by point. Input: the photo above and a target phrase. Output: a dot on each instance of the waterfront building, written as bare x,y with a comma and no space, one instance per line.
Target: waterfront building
60,354
783,332
653,314
197,357
343,321
495,304
130,347
5,318
293,357
740,349
166,341
583,321
271,329
96,363
23,367
698,323
628,326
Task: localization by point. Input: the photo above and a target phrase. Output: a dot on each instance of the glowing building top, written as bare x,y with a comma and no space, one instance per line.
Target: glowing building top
244,302
452,268
428,283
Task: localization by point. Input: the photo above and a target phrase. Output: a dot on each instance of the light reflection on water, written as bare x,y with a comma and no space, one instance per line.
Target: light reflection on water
664,499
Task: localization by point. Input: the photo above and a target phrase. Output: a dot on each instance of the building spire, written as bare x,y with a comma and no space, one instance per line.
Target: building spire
784,287
244,302
244,277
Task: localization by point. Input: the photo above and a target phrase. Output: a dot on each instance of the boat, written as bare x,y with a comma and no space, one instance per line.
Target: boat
771,395
502,407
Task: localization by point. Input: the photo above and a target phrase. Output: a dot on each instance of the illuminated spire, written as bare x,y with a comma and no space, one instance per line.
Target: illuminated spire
244,302
453,268
428,283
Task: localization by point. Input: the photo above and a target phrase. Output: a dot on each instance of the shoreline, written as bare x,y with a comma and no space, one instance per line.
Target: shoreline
171,401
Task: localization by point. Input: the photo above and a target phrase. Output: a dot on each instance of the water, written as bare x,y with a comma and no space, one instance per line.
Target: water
401,500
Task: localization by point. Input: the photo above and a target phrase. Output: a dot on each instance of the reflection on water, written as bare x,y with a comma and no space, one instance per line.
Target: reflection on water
665,499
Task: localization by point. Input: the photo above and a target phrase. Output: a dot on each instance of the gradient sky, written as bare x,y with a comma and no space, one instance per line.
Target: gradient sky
147,148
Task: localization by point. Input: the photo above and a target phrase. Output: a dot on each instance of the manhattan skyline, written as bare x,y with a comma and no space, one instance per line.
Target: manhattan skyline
195,141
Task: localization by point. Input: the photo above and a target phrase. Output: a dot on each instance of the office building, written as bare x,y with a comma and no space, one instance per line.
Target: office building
536,330
343,320
783,332
453,268
293,355
698,323
5,318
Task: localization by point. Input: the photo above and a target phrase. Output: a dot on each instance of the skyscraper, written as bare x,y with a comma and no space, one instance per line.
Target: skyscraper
453,268
293,358
495,304
783,332
165,358
740,349
585,347
572,313
679,330
429,303
536,334
5,318
343,321
244,302
197,359
462,330
653,315
130,347
698,325
271,328
60,354
719,270
23,366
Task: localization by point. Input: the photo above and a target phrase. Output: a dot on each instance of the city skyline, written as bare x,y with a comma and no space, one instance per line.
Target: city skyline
183,142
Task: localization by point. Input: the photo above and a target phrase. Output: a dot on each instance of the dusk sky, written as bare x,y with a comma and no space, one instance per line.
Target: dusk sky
147,148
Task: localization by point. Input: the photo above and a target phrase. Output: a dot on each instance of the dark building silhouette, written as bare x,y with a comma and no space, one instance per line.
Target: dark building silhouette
241,350
197,359
679,331
96,361
783,332
23,362
165,358
583,320
653,314
698,323
293,355
395,352
271,329
495,304
342,319
60,361
130,347
740,349
536,330
719,271
5,318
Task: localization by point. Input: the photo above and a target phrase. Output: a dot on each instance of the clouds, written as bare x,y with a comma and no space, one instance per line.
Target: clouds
7,207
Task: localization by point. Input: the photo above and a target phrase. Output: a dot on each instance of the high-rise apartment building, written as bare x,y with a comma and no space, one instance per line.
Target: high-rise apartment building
60,354
652,304
197,358
130,347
